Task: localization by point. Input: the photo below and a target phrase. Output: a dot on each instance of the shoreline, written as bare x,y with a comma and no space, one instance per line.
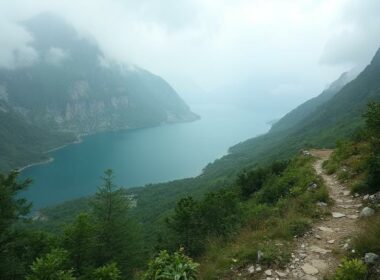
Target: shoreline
79,139
51,159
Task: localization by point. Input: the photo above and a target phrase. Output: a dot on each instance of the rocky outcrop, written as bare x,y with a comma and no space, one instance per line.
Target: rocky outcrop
74,88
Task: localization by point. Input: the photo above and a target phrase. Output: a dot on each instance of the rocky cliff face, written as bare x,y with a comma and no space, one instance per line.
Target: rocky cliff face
72,87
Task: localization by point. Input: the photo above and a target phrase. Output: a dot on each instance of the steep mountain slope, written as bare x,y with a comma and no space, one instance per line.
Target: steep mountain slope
73,88
336,118
22,142
309,107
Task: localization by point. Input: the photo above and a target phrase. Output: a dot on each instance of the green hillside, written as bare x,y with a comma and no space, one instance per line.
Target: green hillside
337,118
22,142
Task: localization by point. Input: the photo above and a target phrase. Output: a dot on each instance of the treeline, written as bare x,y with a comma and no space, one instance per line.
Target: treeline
218,215
101,244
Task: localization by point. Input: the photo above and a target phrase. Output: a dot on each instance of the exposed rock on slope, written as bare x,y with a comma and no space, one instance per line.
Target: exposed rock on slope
72,87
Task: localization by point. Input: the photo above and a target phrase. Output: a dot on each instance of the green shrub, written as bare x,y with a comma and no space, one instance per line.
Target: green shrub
330,166
299,226
368,239
53,266
275,254
359,187
107,272
172,266
351,270
251,182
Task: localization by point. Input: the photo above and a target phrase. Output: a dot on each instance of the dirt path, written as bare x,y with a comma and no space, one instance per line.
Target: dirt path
318,253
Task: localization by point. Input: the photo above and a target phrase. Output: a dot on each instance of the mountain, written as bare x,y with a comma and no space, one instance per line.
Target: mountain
332,116
301,112
72,88
22,142
335,115
329,117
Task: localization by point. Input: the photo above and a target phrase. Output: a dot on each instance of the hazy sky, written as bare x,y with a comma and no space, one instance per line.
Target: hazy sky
275,47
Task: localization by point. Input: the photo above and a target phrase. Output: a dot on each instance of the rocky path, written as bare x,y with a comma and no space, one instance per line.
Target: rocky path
318,253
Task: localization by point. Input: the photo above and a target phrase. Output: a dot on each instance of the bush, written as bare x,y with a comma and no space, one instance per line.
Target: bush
351,270
107,272
274,254
298,226
172,266
53,266
251,182
368,238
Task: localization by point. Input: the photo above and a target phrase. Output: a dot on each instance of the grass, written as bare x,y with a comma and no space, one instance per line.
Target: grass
368,238
282,209
349,162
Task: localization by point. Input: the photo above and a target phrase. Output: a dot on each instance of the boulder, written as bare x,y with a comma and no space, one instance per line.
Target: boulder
366,212
371,258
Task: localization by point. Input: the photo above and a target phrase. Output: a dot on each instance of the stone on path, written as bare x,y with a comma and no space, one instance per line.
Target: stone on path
268,272
352,216
319,264
281,274
309,277
325,229
346,193
319,250
251,269
309,269
332,241
338,215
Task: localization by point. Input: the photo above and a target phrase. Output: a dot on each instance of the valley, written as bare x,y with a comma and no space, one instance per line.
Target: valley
143,156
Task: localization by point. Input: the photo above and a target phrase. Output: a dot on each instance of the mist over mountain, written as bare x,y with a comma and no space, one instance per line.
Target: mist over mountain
71,87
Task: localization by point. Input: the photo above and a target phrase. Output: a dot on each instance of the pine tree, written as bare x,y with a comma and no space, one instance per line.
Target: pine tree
79,240
117,239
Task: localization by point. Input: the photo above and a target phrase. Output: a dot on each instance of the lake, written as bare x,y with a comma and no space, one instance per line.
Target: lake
143,156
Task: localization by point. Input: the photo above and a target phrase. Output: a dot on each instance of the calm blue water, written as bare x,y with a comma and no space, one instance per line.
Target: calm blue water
142,156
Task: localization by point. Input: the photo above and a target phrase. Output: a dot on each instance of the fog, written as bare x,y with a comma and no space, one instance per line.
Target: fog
215,50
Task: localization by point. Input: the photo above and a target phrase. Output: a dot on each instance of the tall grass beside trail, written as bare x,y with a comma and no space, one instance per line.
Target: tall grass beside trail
281,209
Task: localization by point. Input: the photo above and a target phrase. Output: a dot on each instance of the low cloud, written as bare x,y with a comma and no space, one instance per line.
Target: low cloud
15,50
55,56
214,44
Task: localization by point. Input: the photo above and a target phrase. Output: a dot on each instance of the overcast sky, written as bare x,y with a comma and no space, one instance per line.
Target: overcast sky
276,47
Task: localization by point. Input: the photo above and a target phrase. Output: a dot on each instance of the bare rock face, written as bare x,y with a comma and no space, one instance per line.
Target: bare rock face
80,90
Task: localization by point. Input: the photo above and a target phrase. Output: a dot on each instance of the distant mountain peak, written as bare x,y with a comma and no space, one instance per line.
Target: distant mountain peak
376,58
